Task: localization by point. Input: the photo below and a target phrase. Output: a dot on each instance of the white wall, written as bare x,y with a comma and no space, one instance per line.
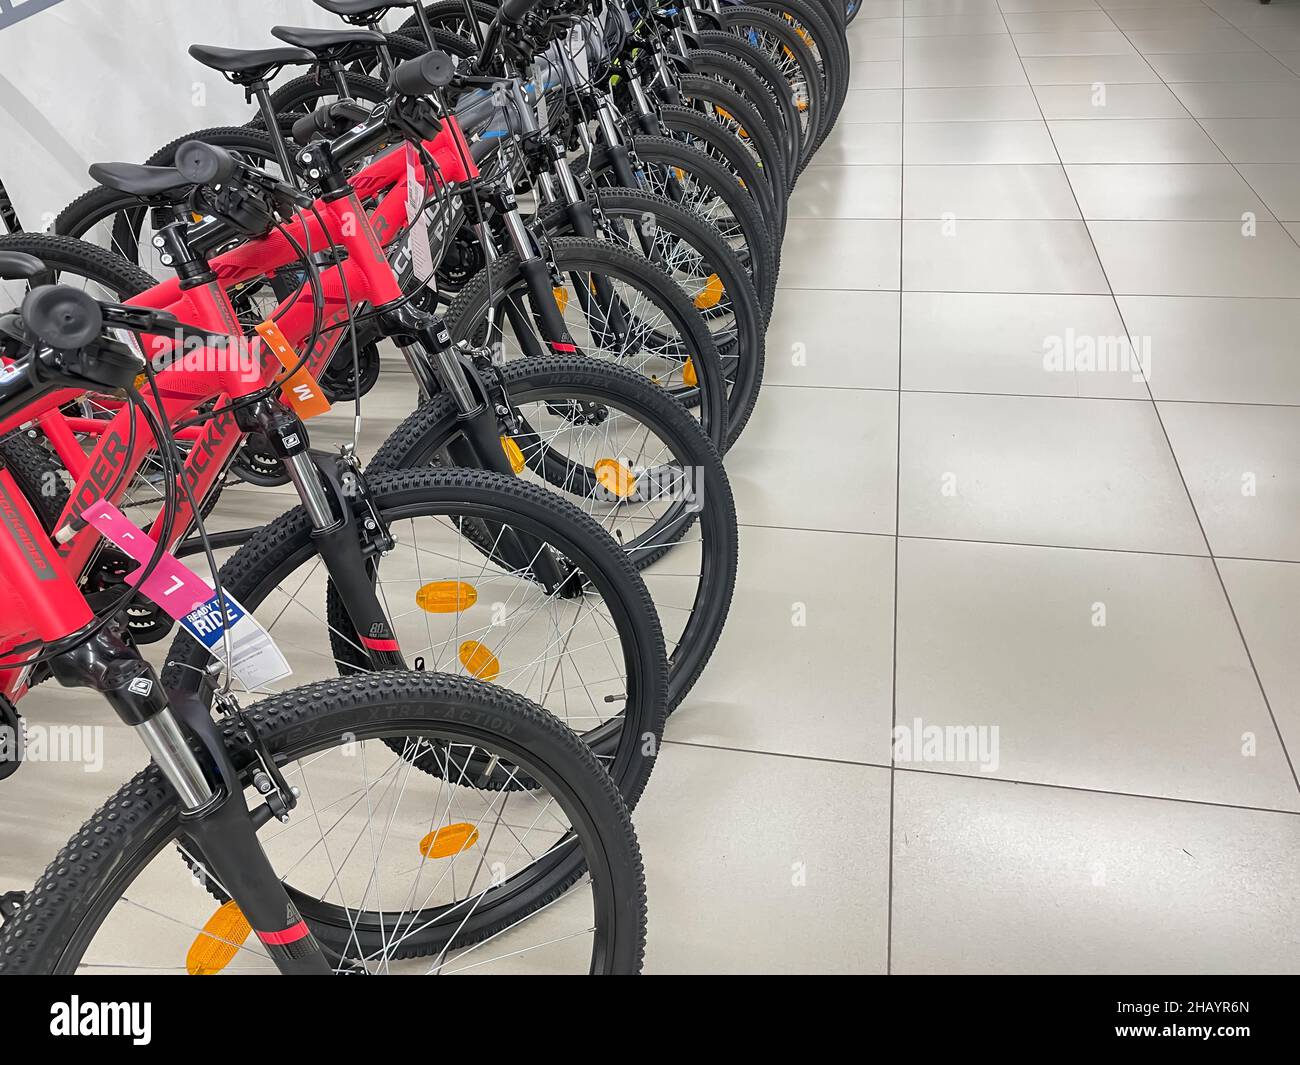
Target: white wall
87,81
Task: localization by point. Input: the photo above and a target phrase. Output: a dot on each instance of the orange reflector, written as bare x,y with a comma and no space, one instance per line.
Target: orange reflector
561,298
446,597
614,477
478,661
514,453
711,294
300,389
728,116
689,377
219,941
449,840
681,174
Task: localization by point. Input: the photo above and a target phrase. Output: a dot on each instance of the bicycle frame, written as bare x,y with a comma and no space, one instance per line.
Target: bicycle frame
364,276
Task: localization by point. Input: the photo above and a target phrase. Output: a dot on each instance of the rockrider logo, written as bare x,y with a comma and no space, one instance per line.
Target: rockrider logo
121,1019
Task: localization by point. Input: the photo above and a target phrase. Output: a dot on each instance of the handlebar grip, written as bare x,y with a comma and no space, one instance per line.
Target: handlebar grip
418,76
513,11
205,164
62,317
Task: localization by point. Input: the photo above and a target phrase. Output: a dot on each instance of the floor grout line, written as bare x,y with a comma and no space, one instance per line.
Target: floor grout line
898,510
1032,395
1223,584
893,767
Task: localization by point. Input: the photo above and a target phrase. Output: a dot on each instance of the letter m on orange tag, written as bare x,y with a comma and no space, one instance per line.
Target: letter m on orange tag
300,388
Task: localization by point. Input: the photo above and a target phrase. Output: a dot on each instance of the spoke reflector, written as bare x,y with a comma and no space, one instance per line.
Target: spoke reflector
711,294
449,840
446,597
219,941
614,477
478,661
514,453
561,298
689,377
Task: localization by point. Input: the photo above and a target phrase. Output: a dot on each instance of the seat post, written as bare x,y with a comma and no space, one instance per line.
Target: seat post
340,76
386,64
261,91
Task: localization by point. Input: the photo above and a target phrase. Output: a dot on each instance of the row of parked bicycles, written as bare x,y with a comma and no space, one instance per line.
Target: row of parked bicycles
566,215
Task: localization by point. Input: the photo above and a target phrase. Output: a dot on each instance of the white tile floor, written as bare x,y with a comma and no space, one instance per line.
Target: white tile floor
955,560
1102,566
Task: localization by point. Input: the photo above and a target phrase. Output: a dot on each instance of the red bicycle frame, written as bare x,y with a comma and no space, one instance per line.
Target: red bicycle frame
40,578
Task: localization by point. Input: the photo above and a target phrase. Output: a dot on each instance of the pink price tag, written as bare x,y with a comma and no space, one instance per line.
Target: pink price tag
172,585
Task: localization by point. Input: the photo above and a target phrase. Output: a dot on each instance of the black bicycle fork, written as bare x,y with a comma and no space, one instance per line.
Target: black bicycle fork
214,814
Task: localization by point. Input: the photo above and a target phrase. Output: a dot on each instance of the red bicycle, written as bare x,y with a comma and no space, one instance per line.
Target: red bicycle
448,882
512,566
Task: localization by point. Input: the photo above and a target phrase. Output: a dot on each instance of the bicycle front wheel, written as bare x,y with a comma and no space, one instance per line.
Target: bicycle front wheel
396,871
646,323
582,426
462,587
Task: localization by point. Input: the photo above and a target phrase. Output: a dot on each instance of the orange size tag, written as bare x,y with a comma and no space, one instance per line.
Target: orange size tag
300,388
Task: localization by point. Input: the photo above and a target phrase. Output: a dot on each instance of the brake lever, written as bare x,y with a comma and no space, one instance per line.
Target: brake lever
276,188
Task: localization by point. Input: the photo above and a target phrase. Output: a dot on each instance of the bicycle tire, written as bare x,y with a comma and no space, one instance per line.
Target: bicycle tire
746,352
421,436
828,45
574,255
766,72
731,109
760,253
38,476
284,545
710,136
49,934
747,23
741,80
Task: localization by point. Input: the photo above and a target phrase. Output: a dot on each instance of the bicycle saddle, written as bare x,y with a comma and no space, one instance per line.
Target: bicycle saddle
249,64
19,266
324,42
160,182
362,10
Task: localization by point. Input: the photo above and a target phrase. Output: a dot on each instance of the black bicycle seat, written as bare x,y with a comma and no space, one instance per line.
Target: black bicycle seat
19,266
324,43
250,64
362,10
149,182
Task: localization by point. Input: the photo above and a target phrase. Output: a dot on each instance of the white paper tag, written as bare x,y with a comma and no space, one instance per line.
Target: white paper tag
418,238
254,657
578,51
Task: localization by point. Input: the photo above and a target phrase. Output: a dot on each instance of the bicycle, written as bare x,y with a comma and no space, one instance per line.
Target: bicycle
424,730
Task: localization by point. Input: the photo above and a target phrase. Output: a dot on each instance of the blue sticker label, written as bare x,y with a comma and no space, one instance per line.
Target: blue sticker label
204,621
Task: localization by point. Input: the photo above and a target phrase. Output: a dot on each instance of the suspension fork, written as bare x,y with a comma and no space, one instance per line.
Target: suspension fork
647,119
479,445
620,158
214,813
582,220
335,531
536,273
